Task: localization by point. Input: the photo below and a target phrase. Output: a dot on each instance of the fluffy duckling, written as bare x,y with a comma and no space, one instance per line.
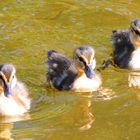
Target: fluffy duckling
126,45
14,98
77,75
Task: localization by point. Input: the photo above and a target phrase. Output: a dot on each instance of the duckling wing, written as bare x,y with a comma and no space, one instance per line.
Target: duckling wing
21,96
122,47
61,71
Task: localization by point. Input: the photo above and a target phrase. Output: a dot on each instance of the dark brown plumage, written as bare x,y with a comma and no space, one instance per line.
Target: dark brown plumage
122,48
61,71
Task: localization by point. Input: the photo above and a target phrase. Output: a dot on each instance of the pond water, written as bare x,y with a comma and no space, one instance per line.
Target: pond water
28,28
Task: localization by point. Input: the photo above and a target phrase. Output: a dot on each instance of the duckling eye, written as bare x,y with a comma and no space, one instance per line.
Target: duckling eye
81,59
13,77
137,32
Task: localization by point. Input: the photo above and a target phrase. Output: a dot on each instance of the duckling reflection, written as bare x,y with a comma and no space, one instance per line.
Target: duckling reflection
83,114
5,131
6,125
134,79
14,98
78,75
80,116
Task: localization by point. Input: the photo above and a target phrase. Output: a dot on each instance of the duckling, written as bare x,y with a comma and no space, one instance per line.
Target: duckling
77,74
14,99
126,45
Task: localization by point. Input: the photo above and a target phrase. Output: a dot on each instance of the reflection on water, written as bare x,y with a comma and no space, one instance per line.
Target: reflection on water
5,131
134,79
9,119
79,115
83,113
29,28
105,94
6,125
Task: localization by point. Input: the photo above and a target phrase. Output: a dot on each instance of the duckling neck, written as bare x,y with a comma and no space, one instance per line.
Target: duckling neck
134,40
8,106
135,59
136,44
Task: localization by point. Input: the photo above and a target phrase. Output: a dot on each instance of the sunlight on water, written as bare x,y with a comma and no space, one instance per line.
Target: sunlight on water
30,28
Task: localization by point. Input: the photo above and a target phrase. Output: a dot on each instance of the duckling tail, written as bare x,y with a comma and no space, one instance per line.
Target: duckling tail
49,53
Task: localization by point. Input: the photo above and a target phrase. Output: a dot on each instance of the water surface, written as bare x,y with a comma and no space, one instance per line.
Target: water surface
28,29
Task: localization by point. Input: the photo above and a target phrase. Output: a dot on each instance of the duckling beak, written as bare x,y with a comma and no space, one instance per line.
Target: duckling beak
8,90
89,71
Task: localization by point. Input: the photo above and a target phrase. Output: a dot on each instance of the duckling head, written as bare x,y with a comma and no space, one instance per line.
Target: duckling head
135,33
7,78
84,59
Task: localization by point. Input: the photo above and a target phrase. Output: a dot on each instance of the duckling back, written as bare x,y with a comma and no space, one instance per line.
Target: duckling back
61,71
123,48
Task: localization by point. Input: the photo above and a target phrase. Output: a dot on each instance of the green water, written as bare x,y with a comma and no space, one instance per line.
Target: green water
28,28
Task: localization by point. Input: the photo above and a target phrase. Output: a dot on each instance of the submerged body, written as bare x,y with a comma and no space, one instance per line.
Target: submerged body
77,75
14,99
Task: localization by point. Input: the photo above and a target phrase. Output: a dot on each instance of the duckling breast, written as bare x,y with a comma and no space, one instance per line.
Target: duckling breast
84,84
9,107
16,104
135,59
